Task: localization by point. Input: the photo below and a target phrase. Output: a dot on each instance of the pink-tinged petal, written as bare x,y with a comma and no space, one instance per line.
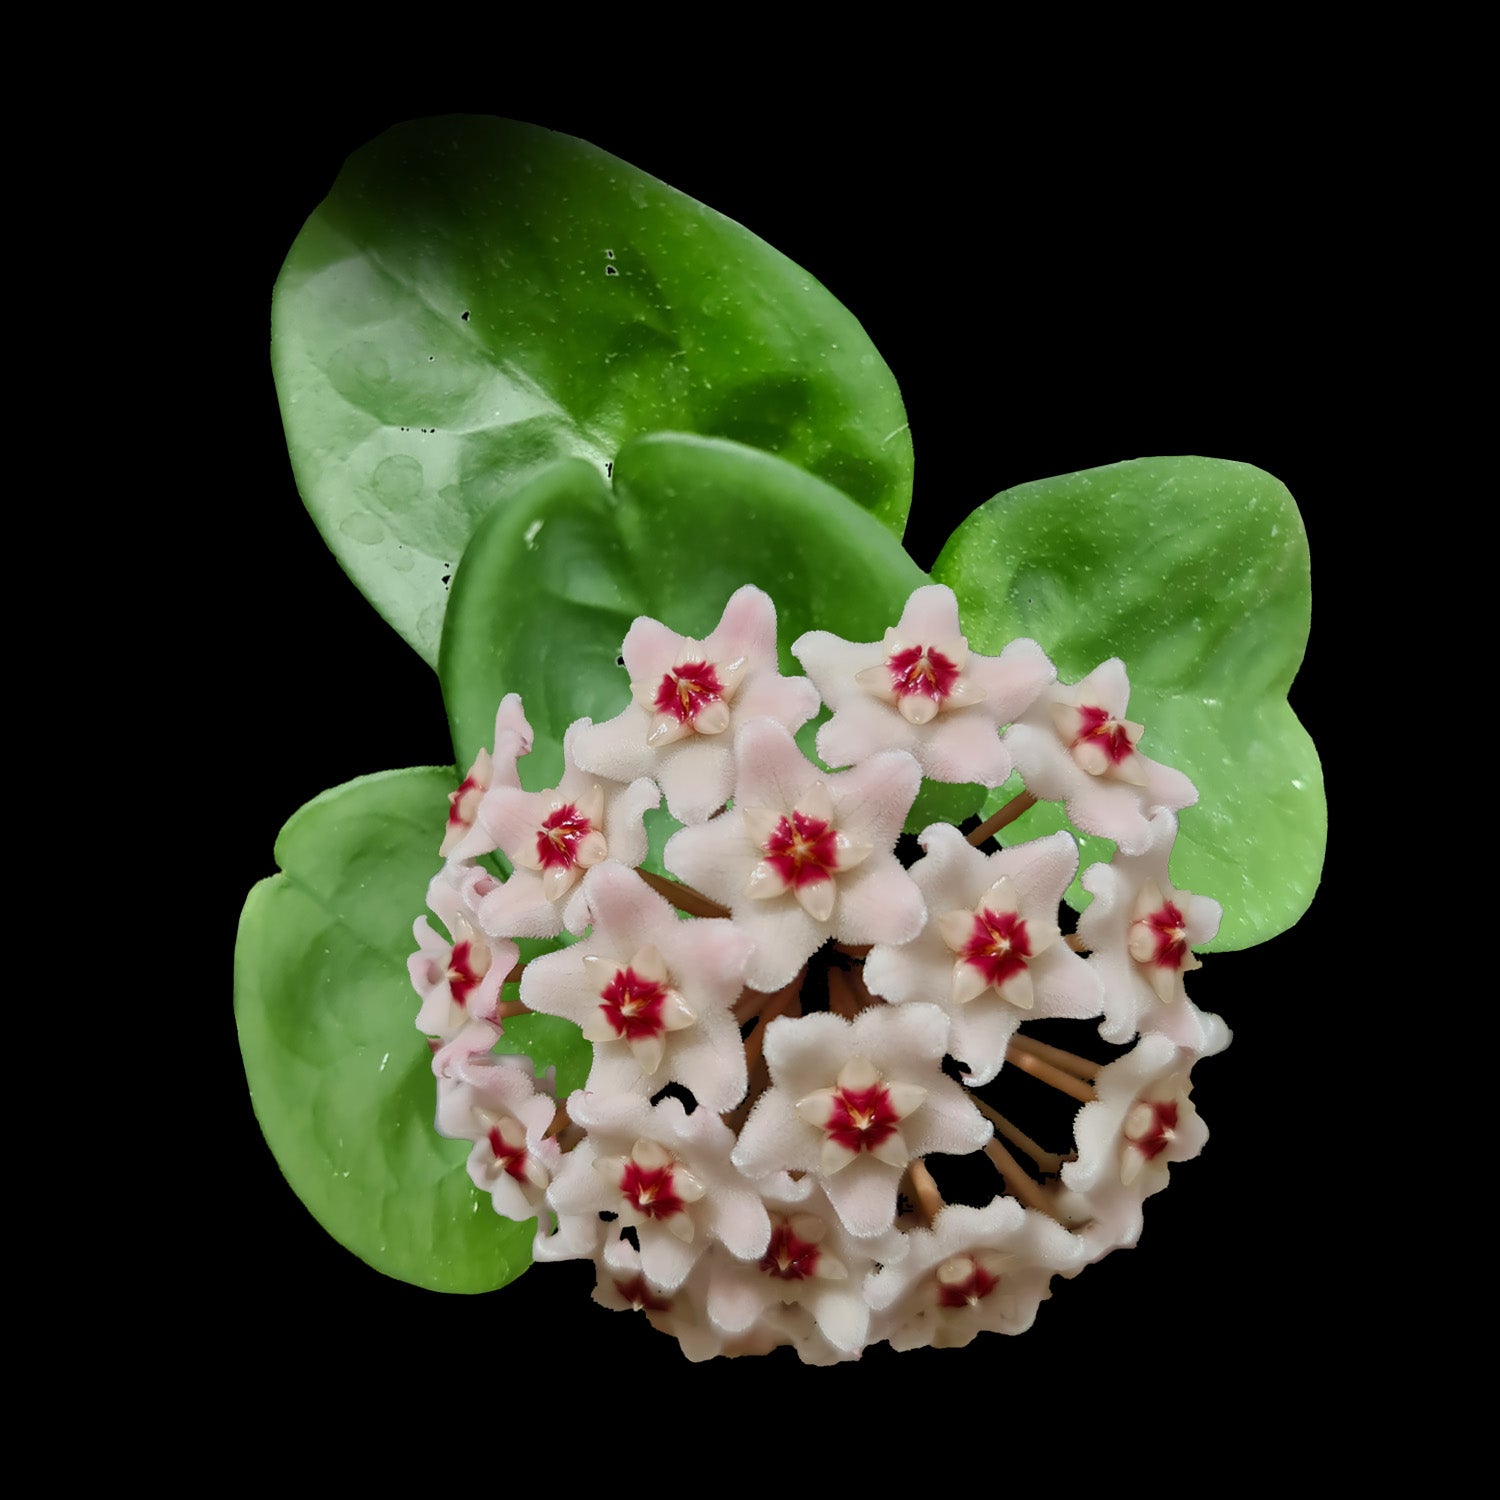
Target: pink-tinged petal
520,909
688,974
966,748
986,903
835,664
773,772
513,738
1014,680
879,903
791,701
931,615
688,699
747,627
875,797
511,817
1140,929
1074,745
696,786
921,690
649,650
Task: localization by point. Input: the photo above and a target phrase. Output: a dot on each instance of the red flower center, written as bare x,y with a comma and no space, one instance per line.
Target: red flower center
469,964
1106,731
972,1288
637,1292
511,1158
463,805
650,1189
558,838
788,1258
1155,1135
687,690
1168,933
633,1005
921,671
862,1119
998,945
802,850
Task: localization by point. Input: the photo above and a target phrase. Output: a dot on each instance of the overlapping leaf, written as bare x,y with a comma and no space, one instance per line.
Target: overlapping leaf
1195,572
477,298
553,580
341,1079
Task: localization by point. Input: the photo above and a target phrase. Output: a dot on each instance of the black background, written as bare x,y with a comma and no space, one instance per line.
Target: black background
1044,309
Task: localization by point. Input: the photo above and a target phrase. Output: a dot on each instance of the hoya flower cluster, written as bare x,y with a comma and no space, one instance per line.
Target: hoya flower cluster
796,1129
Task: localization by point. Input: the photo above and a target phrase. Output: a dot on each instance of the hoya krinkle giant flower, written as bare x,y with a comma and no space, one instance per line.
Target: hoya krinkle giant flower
796,1037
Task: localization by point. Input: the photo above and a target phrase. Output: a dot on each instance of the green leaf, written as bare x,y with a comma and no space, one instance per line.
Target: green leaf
477,298
340,1077
1194,571
553,580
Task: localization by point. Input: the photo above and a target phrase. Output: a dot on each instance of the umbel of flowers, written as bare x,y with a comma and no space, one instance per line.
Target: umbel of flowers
797,1129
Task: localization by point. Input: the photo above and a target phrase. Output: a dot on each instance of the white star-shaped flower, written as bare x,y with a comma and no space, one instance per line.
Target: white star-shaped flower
975,1270
465,837
459,981
1075,745
666,1174
1141,931
922,690
803,855
689,697
854,1103
811,1260
991,954
494,1102
1141,1122
553,837
653,993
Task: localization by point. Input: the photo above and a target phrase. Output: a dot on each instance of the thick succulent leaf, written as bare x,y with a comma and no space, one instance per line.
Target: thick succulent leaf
477,298
340,1077
1194,571
554,578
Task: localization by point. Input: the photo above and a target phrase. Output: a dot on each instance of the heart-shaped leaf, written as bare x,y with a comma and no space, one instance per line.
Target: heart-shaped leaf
340,1077
554,578
477,298
1194,571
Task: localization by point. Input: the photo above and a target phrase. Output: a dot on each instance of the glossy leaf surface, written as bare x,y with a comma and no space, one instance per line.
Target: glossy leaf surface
477,298
554,579
340,1077
1194,571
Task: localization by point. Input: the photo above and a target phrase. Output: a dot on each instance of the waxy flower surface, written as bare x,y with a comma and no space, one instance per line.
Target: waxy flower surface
1141,1123
459,981
788,1037
853,1102
667,1175
495,1104
812,1261
1142,931
922,690
554,837
689,697
654,994
465,837
975,1270
1075,745
991,955
803,856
